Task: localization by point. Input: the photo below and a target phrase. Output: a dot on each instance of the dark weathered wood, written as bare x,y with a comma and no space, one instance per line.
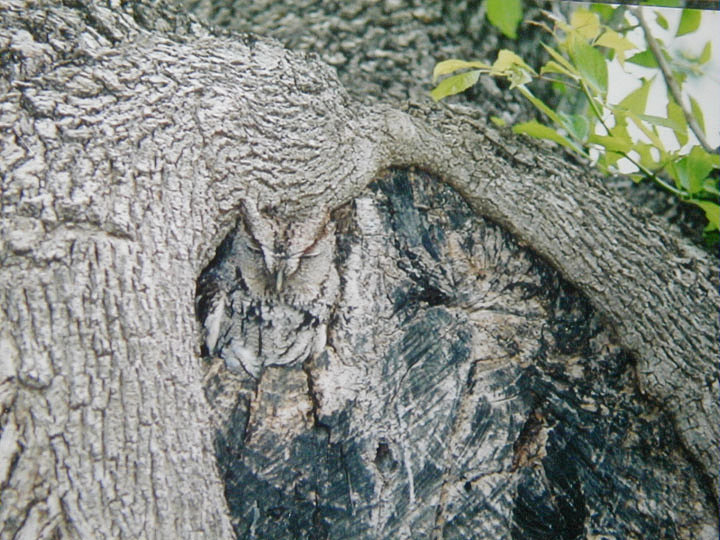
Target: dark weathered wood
630,268
132,142
463,390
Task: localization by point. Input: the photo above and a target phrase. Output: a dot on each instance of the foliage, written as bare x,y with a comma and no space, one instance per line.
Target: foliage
505,15
611,134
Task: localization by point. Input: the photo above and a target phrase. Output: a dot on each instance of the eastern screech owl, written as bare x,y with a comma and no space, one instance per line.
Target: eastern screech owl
266,297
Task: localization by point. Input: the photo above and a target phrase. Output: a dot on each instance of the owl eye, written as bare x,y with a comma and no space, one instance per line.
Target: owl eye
310,253
318,246
313,251
253,245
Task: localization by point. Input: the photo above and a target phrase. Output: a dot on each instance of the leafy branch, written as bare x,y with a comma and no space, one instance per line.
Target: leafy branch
670,81
601,131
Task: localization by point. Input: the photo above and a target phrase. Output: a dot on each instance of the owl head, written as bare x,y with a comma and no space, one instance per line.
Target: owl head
277,252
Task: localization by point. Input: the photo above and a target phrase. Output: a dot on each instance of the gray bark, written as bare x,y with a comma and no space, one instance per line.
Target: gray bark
386,51
383,50
133,142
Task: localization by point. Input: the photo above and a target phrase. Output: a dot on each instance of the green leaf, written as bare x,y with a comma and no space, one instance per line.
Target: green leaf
455,84
620,145
499,122
645,59
712,239
645,151
677,170
710,159
609,159
620,131
554,67
649,131
585,23
510,65
506,60
560,88
697,113
692,170
680,171
540,131
591,64
706,54
605,11
661,21
578,126
712,213
710,186
560,59
448,66
675,114
505,15
636,101
617,43
689,22
540,105
657,121
680,77
700,163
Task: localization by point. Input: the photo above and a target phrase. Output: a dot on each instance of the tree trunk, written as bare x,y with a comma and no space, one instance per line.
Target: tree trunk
133,143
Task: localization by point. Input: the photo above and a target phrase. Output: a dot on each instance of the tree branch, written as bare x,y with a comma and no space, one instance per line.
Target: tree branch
670,80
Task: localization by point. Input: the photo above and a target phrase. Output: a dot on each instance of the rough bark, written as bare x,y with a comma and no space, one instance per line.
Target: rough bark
386,51
133,141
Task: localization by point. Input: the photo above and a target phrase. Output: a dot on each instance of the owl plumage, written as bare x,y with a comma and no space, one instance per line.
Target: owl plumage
215,316
268,294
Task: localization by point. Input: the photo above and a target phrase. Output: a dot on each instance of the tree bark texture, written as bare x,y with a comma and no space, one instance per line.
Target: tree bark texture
386,51
134,141
383,50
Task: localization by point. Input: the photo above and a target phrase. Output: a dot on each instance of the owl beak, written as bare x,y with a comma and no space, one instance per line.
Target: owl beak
280,277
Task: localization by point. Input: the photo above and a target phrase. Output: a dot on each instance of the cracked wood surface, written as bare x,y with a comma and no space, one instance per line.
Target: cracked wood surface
462,390
130,139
